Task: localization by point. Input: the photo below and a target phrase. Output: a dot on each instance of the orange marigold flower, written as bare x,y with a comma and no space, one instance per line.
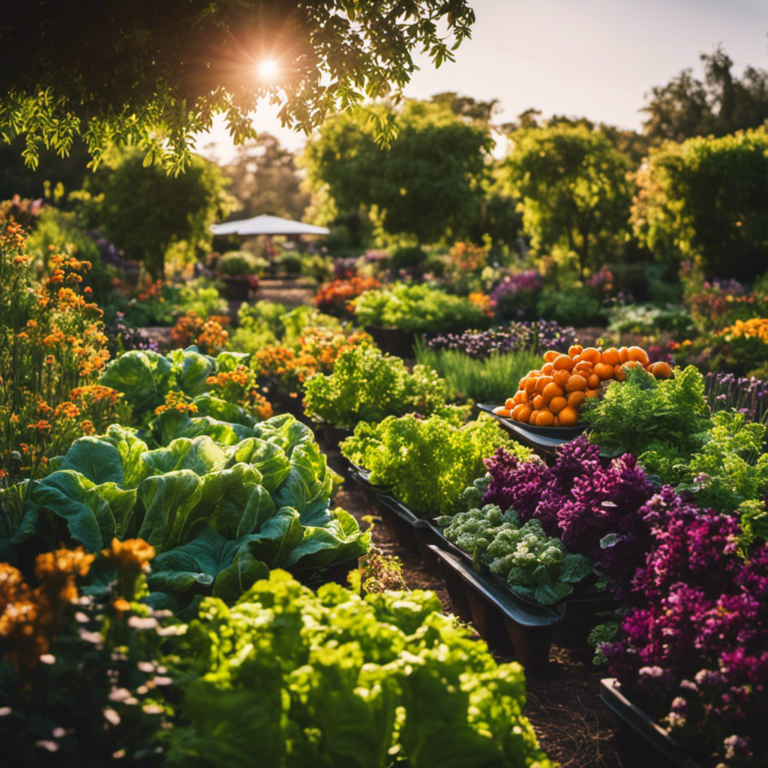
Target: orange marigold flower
131,556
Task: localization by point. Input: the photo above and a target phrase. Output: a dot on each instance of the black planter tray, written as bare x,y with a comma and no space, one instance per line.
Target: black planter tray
507,624
644,725
410,532
327,574
561,434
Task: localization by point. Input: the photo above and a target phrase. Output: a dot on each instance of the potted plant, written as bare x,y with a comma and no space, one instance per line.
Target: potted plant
240,272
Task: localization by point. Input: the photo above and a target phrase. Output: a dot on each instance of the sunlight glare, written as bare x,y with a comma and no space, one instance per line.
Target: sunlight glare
268,69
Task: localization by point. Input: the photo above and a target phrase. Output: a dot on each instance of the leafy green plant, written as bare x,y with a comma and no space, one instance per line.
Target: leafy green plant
335,679
218,512
536,566
241,264
418,309
201,297
486,380
367,385
644,413
427,462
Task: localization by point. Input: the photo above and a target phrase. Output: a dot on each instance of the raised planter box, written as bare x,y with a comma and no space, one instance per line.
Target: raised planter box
506,623
643,724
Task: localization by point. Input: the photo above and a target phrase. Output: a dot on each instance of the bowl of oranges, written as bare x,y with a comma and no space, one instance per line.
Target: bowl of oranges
548,401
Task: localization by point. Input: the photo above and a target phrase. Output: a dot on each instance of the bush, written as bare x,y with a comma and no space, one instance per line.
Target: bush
577,309
240,264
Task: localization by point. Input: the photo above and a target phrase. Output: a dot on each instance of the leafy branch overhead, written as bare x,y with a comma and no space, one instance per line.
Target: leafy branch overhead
155,74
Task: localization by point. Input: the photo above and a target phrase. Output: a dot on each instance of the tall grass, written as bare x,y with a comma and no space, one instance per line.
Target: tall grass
490,380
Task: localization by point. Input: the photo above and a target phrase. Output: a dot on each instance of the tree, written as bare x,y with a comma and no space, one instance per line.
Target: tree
144,211
573,190
706,199
264,180
428,184
716,106
155,73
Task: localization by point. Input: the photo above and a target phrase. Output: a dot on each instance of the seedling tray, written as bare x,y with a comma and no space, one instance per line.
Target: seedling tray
643,724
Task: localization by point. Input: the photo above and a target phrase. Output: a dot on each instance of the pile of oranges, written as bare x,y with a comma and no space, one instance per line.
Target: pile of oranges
552,396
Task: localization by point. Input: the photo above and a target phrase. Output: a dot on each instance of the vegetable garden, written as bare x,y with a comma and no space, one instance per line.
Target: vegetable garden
176,554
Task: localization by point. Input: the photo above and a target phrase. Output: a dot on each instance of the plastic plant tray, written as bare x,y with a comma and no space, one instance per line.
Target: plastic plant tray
643,725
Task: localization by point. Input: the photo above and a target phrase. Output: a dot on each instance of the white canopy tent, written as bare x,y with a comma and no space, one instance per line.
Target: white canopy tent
267,225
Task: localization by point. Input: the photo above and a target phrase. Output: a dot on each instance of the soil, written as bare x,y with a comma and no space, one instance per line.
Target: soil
573,726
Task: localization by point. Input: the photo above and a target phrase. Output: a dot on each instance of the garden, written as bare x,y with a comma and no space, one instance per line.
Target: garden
479,479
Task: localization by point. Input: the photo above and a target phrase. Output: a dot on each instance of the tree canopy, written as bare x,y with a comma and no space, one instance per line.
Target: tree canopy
427,184
154,74
705,199
718,105
573,189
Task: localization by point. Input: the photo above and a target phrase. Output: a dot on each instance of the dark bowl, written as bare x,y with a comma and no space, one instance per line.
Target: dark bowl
558,433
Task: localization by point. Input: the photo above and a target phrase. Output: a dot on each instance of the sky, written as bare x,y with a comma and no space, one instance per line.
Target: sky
590,58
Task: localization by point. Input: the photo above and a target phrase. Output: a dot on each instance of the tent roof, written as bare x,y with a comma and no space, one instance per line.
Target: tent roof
267,225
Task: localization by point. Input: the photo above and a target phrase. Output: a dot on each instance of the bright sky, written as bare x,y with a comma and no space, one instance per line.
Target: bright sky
591,58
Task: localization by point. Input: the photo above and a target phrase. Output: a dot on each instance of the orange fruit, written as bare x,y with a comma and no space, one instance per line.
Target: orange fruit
561,377
576,383
611,356
530,385
593,381
575,349
590,393
534,374
533,417
550,355
623,354
552,390
556,404
519,398
547,368
524,414
638,354
545,419
515,412
509,403
542,382
563,363
604,371
568,417
539,402
592,355
556,422
576,398
501,411
661,370
584,368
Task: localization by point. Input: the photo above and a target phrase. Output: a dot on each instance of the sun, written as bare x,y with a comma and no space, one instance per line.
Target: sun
268,69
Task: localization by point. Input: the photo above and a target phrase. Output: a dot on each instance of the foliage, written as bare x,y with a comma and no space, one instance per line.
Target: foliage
596,511
694,651
516,337
426,462
716,106
367,385
145,211
336,297
727,470
333,679
514,298
573,308
573,190
240,264
536,566
219,502
644,413
425,185
61,644
52,347
171,70
701,199
417,308
484,380
202,297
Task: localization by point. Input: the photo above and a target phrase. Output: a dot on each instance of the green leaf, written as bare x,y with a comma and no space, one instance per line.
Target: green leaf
244,572
200,455
340,540
308,486
228,361
75,498
574,568
167,500
276,539
130,449
268,458
169,425
97,460
138,375
122,503
197,562
208,405
195,369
